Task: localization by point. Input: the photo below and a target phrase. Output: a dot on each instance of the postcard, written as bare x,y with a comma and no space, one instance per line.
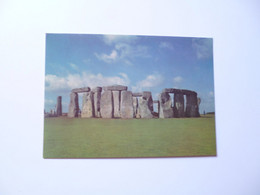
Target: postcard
128,96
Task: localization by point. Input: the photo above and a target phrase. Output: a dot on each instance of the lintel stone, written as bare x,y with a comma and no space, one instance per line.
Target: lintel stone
115,88
81,90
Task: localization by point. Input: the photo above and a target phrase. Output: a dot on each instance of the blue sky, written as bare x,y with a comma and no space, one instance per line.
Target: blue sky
143,63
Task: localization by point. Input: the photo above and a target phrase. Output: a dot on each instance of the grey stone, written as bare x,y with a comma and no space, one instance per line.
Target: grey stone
183,91
116,98
178,105
74,105
81,90
97,89
146,105
171,90
115,88
127,110
166,110
188,92
143,109
106,105
135,105
192,109
137,94
87,105
147,95
59,106
97,97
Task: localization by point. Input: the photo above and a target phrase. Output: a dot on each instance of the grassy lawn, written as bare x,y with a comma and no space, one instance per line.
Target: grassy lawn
104,138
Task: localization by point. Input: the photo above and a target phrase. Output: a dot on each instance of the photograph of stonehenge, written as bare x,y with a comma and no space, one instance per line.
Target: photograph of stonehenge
117,102
126,96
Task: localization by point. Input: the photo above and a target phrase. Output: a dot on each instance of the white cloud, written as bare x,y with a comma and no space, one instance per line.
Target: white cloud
149,82
65,84
108,58
124,53
48,101
203,47
166,45
113,39
74,66
177,79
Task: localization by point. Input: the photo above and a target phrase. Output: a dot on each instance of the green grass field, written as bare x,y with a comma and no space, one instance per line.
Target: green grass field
113,138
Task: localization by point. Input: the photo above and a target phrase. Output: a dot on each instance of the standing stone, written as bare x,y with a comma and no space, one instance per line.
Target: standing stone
143,109
178,105
127,110
192,109
116,98
138,115
74,105
166,110
146,105
87,105
135,106
106,105
59,106
147,95
97,96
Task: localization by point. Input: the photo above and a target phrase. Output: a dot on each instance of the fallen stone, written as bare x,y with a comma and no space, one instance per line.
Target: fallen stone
127,110
115,88
106,105
87,105
73,106
166,110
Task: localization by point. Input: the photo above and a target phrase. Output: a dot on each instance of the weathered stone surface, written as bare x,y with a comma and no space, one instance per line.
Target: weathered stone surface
147,95
143,109
87,105
192,109
135,106
178,105
97,89
59,106
137,94
166,110
116,98
183,91
188,92
97,96
73,106
146,105
81,90
106,105
127,110
115,88
138,115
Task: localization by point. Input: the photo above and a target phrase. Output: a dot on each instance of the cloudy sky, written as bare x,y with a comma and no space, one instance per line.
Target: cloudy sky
143,63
